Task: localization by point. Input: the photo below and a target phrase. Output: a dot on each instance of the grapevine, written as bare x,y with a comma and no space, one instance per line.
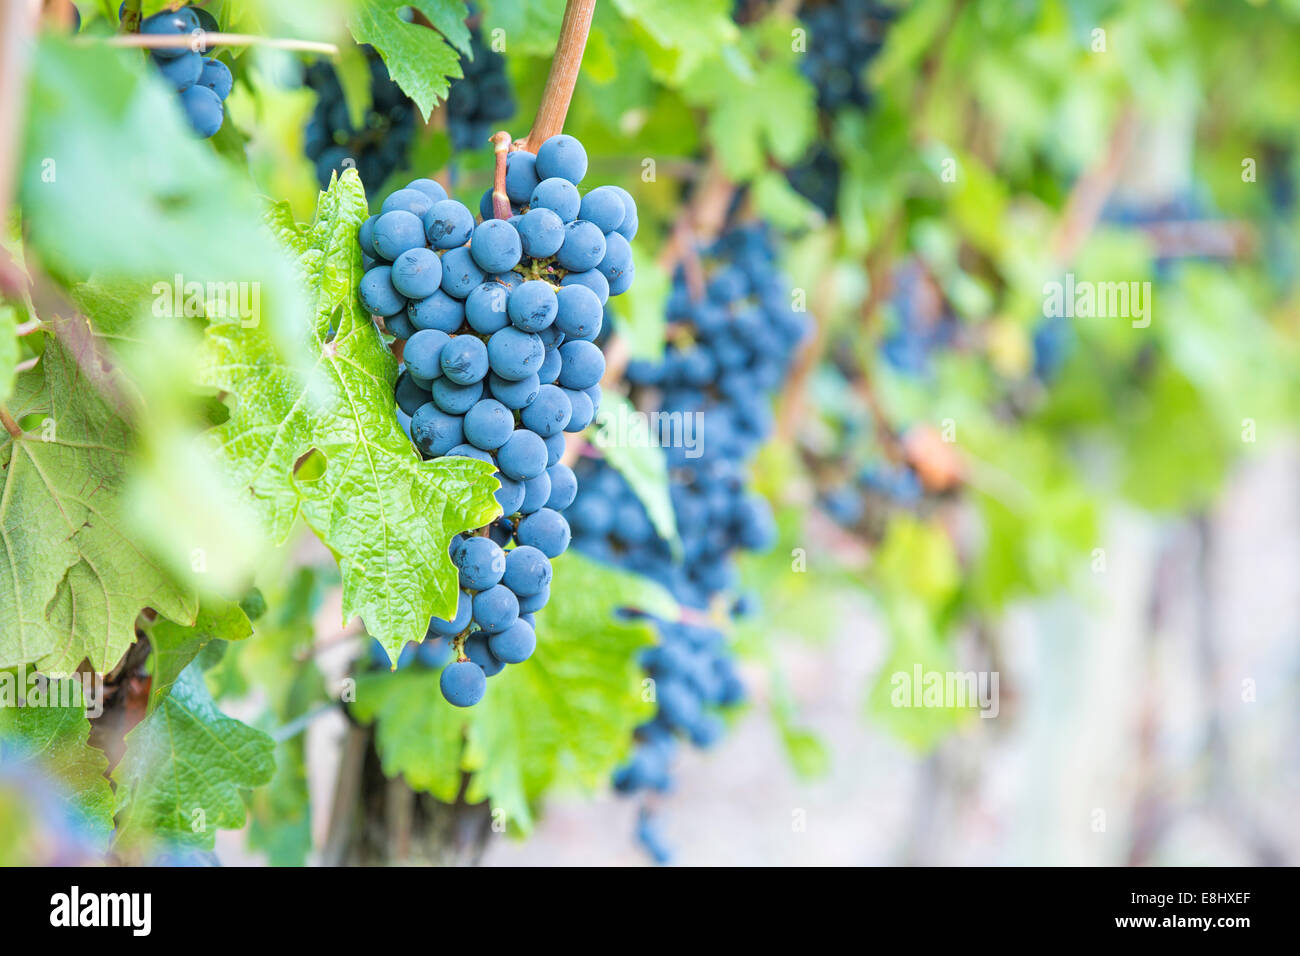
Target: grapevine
915,493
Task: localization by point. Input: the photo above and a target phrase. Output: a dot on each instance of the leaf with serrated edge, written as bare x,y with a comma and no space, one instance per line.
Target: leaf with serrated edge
419,60
184,768
56,739
563,718
72,577
174,646
385,514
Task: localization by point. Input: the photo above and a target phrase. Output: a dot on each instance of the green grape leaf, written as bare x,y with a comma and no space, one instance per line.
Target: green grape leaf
386,515
104,129
419,60
175,646
625,436
692,30
563,718
53,734
184,769
72,576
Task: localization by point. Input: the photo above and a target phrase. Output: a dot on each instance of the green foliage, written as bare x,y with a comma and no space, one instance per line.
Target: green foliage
388,516
419,60
175,647
184,768
561,720
56,738
74,576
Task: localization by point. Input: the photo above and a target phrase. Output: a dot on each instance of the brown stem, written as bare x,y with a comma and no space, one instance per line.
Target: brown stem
564,73
202,38
1086,199
10,425
500,201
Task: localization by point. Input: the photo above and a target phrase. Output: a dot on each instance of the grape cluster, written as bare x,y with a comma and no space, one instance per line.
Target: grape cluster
498,320
481,99
921,323
845,36
729,350
868,497
203,82
380,147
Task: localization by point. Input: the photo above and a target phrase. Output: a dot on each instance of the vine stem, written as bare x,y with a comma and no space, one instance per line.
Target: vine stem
10,425
500,201
205,39
558,92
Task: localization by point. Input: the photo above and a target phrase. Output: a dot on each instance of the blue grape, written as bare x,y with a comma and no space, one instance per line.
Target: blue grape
495,246
430,187
399,325
485,309
510,495
583,248
514,354
584,364
423,353
457,625
592,279
559,196
549,413
617,260
216,77
527,572
546,530
481,562
182,71
480,653
366,237
582,410
448,224
550,369
465,360
455,399
564,486
521,176
467,450
462,683
396,231
522,456
203,109
541,233
414,201
532,603
578,312
438,311
488,424
460,273
514,395
377,293
555,446
410,396
532,306
170,23
417,273
495,608
434,431
515,644
603,206
536,492
562,156
434,652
